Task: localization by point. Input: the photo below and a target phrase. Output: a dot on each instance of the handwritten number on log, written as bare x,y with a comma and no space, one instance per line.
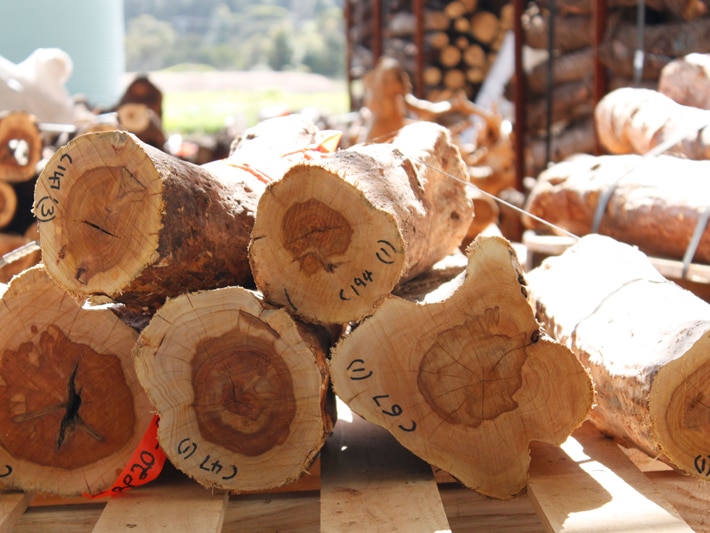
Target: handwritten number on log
357,366
702,464
7,472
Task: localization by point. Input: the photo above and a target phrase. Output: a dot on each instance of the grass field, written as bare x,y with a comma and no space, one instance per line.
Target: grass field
207,111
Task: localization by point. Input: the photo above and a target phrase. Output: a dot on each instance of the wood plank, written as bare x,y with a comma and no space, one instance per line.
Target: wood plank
589,484
178,505
12,506
369,482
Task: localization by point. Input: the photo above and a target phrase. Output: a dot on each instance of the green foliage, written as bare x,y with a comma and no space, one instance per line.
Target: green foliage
236,34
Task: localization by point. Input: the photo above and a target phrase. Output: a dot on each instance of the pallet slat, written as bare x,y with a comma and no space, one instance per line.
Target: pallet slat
589,484
369,482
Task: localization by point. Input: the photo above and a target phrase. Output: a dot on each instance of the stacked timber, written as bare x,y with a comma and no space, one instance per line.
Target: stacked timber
560,88
452,46
239,377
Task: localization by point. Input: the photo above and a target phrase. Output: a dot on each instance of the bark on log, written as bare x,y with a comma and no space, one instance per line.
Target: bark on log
72,410
633,120
10,242
154,226
242,389
644,208
663,44
577,138
645,341
571,32
570,101
687,80
20,146
8,203
142,121
464,378
333,238
684,9
573,66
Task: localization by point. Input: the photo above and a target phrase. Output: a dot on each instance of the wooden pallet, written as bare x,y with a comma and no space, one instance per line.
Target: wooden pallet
364,481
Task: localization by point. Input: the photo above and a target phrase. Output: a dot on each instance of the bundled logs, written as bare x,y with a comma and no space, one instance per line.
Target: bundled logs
633,199
644,340
463,376
71,407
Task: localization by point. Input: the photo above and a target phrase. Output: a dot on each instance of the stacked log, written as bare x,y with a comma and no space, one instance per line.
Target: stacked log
239,377
644,341
460,40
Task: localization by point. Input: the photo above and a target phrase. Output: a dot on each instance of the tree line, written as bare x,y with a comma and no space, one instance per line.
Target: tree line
305,35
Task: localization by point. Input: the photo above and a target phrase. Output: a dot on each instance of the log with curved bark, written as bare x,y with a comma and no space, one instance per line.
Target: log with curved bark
686,80
645,341
241,388
8,203
71,407
644,207
630,120
120,218
333,237
464,378
20,146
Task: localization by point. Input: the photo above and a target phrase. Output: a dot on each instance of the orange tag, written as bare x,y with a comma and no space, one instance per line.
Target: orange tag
145,464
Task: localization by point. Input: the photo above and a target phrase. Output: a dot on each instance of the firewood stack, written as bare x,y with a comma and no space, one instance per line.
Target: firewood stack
670,30
460,41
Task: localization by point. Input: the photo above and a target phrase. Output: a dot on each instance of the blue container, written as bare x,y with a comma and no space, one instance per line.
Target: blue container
90,31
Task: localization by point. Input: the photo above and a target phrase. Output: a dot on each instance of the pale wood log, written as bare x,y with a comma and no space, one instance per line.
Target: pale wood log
436,20
333,237
663,43
385,88
687,80
20,146
143,91
239,385
645,208
450,56
464,377
71,424
120,218
432,76
437,39
384,482
630,120
474,56
455,9
8,203
644,340
589,484
144,122
454,79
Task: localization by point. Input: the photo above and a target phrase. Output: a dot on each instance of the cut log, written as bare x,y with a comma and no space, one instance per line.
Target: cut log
20,146
72,410
8,203
577,138
485,26
663,43
464,378
572,66
241,388
630,120
644,207
570,101
154,226
572,32
644,340
687,80
333,237
143,122
685,9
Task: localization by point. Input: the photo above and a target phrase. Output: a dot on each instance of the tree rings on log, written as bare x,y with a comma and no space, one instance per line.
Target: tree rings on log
465,378
120,218
645,341
71,407
334,237
242,389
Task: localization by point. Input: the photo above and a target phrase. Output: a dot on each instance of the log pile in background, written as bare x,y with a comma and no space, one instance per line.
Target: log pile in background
461,39
671,31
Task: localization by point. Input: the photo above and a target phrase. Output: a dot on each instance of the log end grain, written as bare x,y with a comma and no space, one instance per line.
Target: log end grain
72,411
